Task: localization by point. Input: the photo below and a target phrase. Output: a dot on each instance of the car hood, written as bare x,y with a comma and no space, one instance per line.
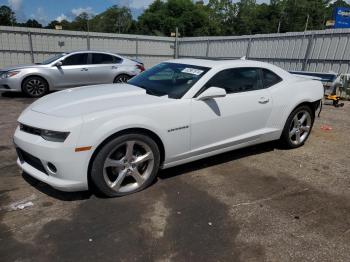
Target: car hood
18,67
90,99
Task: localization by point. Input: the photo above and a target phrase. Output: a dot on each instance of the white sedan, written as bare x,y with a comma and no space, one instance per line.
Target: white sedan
117,136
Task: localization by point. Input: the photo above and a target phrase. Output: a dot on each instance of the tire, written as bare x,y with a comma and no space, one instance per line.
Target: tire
123,78
298,127
35,86
125,165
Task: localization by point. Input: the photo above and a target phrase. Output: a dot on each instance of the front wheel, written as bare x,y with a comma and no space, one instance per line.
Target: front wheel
298,127
125,165
121,78
35,86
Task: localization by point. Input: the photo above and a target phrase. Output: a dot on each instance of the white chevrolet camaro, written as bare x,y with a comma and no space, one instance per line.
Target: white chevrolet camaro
117,136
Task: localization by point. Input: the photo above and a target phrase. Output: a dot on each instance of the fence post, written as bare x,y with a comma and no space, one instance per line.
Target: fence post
31,46
207,51
176,52
307,53
88,41
137,47
247,53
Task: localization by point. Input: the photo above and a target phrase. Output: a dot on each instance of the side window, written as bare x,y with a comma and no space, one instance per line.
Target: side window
270,78
104,59
237,80
78,59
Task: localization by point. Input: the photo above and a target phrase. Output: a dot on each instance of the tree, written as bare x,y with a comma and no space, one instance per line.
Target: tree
52,24
246,16
80,23
217,17
114,20
31,23
161,18
66,25
339,3
7,16
295,14
223,13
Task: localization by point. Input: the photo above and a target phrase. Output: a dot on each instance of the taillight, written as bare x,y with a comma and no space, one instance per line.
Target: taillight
141,67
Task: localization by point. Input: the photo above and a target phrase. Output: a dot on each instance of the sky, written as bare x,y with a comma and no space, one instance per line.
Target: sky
45,11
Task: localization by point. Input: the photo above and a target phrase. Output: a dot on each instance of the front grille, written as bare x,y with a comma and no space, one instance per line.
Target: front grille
30,160
30,129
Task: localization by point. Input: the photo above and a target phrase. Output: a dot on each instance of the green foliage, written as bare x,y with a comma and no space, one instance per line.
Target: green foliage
7,16
193,18
161,18
114,20
31,23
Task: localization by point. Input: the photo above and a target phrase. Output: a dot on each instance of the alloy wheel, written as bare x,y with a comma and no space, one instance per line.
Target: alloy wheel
300,127
121,79
35,87
128,166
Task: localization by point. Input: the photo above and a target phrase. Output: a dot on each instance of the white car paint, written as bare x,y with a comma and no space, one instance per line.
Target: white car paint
189,128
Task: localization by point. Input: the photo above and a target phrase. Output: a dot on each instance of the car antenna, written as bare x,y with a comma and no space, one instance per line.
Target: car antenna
243,58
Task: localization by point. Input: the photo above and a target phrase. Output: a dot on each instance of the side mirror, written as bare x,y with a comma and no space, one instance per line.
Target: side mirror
59,64
212,92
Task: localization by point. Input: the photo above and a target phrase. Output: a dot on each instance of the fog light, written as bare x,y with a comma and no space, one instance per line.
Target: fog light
51,167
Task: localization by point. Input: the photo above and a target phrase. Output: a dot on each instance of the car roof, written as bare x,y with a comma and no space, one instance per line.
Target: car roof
222,64
89,51
218,63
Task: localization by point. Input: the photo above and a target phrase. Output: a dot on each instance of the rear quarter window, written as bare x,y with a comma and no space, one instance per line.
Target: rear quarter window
270,78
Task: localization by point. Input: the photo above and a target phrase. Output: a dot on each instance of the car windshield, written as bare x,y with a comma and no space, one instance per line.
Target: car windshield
52,59
169,79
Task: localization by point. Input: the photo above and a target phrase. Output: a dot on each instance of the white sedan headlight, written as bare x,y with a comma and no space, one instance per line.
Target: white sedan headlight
9,74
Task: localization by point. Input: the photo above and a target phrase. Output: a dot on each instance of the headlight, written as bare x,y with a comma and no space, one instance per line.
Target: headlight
48,135
9,74
54,136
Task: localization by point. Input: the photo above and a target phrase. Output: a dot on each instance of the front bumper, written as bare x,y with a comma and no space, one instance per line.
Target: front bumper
12,84
71,167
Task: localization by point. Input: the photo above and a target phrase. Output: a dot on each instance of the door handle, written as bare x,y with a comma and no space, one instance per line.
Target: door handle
263,100
114,67
84,69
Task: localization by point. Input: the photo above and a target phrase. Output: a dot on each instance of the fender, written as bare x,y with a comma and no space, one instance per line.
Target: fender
94,138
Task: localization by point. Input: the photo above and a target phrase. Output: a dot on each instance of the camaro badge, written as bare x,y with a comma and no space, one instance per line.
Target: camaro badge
177,128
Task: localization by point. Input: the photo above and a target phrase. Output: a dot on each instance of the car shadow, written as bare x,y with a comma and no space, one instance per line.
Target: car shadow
218,159
52,192
13,95
163,174
18,95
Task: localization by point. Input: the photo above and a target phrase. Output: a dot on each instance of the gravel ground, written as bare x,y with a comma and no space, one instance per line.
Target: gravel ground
256,204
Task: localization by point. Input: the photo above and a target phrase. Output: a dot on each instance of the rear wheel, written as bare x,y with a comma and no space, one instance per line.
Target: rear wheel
125,165
298,127
35,86
123,78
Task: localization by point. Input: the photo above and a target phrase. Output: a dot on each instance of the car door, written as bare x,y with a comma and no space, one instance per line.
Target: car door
241,116
73,71
103,68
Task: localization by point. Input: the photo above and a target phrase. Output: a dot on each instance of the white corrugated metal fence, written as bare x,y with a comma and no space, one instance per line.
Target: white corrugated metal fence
320,51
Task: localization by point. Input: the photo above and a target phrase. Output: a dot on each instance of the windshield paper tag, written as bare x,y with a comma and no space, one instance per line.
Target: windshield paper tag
192,71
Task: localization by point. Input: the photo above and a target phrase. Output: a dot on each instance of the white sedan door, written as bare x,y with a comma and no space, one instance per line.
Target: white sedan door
73,72
104,68
239,117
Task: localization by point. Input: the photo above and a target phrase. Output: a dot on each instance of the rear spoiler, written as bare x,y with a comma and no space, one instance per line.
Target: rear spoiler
136,60
309,77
